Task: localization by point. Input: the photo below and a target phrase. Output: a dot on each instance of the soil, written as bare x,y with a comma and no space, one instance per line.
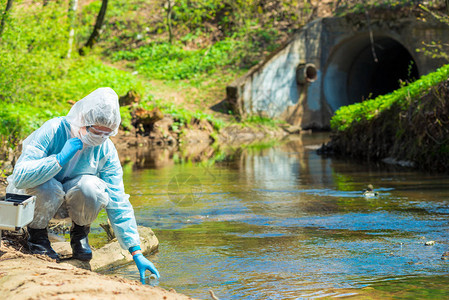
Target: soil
25,276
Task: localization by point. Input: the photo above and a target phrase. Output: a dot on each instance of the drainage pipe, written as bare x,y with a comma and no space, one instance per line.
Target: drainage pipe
306,73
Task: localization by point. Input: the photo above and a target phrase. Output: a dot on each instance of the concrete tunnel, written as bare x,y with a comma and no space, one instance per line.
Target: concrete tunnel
359,69
355,60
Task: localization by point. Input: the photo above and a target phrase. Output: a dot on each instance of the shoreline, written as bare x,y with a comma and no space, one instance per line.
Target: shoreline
26,276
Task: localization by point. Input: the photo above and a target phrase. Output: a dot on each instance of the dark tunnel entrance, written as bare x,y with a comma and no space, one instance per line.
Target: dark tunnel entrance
353,74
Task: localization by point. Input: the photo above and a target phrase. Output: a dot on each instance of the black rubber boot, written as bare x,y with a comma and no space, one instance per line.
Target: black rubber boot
38,243
80,243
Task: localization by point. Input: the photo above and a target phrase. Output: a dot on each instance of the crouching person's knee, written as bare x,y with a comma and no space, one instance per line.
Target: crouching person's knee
49,197
85,197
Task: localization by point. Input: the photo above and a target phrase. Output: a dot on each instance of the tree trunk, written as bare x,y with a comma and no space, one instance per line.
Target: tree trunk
72,17
169,27
338,4
5,15
97,28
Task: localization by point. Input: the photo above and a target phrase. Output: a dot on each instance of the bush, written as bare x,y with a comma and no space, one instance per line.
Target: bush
345,116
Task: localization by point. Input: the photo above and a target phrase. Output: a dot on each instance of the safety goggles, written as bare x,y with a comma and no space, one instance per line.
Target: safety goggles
99,132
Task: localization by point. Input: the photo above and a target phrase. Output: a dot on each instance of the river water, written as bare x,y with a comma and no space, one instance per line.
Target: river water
282,222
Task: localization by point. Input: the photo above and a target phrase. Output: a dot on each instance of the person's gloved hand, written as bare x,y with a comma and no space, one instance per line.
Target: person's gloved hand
68,151
144,264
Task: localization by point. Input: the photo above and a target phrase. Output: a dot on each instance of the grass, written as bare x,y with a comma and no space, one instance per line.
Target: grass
365,111
173,62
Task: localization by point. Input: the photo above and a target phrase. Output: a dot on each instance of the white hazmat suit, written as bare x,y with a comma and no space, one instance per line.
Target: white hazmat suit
90,181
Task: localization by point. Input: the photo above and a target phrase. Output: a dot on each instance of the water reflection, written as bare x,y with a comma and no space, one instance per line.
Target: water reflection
284,223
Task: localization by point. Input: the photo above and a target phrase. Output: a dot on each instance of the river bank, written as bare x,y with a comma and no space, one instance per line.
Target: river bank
25,276
414,135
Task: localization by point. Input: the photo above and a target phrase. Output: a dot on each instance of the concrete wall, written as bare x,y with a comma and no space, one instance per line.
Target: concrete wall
356,59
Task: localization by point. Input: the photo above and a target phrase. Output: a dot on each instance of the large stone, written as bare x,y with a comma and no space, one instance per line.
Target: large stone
109,255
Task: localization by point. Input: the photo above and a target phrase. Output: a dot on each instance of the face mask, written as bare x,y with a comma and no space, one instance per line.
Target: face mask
75,131
91,139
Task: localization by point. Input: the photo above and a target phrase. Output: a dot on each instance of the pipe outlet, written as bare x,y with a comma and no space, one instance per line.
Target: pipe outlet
306,73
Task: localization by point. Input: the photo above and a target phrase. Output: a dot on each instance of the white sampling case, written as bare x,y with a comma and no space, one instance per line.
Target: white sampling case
16,211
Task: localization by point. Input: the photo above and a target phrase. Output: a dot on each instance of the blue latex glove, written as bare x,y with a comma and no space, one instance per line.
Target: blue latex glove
144,264
68,151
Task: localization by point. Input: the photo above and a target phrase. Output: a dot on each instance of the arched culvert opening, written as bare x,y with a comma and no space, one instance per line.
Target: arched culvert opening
353,75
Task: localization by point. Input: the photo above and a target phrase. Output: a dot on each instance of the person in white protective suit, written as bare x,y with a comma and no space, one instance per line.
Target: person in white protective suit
73,169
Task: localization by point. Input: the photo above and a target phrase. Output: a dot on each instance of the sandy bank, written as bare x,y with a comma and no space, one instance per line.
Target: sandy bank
24,276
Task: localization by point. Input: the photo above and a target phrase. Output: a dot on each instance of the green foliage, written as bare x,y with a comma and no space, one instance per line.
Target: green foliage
36,80
353,6
369,109
198,25
125,115
172,61
217,123
435,49
234,16
193,14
